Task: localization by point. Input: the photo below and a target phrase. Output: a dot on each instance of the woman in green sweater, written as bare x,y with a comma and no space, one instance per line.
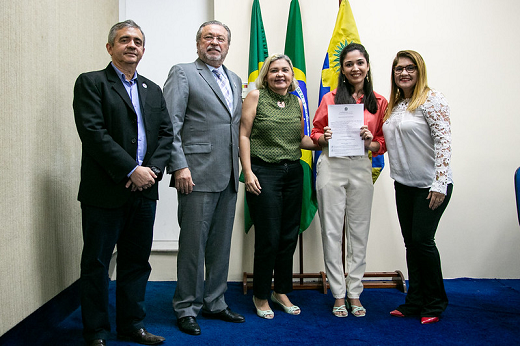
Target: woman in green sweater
271,136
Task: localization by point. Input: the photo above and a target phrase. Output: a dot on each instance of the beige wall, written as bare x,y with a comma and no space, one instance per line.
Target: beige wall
48,44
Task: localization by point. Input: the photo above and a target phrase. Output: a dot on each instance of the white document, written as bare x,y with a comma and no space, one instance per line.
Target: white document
345,121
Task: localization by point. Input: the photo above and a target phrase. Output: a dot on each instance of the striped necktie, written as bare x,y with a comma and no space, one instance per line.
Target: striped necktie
224,86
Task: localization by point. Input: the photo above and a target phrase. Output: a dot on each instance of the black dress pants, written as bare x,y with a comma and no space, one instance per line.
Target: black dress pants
276,214
426,294
131,228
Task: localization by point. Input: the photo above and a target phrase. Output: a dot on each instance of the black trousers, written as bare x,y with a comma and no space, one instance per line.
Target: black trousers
131,228
426,294
276,214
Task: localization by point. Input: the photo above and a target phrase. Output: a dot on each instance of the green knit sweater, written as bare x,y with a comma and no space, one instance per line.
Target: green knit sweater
276,132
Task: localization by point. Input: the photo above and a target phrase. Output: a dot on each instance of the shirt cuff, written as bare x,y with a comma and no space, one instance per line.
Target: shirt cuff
132,171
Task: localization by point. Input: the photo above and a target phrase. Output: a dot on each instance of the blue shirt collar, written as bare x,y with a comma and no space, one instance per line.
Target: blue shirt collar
122,75
219,69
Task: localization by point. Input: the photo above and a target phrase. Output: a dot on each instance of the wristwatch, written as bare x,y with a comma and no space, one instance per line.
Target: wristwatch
157,172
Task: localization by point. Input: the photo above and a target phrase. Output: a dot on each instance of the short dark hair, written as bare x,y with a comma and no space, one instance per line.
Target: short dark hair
213,22
118,26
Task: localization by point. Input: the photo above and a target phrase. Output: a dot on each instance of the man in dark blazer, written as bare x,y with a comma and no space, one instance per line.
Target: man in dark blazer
126,137
204,164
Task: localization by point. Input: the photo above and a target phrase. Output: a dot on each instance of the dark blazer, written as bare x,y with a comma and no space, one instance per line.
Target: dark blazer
107,126
205,131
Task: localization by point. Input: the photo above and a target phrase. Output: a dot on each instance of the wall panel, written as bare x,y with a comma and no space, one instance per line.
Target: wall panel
49,43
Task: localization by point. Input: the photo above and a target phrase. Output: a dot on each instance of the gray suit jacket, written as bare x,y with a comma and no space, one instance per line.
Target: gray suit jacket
205,132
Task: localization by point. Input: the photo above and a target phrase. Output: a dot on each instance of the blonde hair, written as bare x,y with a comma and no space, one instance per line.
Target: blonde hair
261,81
421,89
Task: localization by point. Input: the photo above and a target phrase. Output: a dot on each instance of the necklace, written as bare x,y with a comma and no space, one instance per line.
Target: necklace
279,98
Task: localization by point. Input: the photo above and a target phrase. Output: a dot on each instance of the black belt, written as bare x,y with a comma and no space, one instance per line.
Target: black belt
260,162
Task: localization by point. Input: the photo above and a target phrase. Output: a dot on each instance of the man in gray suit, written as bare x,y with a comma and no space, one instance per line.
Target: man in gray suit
205,104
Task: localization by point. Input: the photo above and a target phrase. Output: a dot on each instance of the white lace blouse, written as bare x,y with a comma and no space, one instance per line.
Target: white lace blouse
419,143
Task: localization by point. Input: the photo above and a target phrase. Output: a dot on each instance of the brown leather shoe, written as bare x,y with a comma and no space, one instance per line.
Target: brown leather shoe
141,336
97,342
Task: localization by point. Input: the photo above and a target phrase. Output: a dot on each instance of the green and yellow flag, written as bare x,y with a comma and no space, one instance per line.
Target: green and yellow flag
257,55
257,43
294,49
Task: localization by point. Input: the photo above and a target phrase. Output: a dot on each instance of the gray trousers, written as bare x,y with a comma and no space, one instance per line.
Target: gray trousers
206,221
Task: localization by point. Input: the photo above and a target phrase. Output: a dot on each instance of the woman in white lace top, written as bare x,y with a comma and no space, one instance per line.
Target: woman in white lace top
417,132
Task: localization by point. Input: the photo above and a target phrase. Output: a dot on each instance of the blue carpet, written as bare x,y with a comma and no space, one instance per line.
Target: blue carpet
481,312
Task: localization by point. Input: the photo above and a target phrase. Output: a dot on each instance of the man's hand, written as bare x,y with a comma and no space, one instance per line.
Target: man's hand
183,182
141,179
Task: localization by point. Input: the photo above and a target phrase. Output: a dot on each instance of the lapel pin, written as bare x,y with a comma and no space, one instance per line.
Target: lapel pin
145,86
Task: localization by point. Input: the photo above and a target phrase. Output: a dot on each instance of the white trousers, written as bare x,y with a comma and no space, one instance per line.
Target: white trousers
344,189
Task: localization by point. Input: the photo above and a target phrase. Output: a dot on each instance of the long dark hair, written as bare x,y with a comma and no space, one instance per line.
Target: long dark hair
345,89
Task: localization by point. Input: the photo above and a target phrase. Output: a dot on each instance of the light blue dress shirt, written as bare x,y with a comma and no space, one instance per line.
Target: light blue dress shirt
224,77
131,89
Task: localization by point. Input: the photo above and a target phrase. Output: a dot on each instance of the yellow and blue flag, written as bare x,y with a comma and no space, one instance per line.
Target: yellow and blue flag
345,32
294,49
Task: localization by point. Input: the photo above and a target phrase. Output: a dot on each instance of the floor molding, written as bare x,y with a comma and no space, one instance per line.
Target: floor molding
46,317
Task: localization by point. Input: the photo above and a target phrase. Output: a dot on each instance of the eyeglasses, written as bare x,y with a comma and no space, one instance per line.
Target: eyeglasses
409,69
210,38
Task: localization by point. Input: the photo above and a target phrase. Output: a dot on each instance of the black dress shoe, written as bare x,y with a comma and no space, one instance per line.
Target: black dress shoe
225,315
97,342
141,336
188,325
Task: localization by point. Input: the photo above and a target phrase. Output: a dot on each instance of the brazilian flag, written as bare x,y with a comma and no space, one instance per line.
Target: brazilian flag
257,55
294,49
257,43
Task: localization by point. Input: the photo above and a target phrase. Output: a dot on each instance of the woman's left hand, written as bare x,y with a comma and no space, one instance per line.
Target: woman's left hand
436,199
366,135
252,183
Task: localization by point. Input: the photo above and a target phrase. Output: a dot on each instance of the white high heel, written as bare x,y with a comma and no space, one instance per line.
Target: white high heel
358,311
267,314
340,311
292,310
